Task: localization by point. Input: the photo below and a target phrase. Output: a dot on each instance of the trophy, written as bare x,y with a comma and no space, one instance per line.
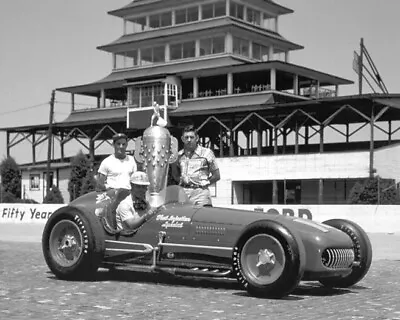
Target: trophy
156,149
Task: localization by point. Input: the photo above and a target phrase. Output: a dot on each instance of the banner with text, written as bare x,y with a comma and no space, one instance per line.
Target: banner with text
26,213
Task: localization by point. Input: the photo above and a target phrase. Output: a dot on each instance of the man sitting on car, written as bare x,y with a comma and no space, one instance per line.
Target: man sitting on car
134,210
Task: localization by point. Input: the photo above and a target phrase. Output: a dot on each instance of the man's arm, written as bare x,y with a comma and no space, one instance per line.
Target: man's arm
101,182
134,222
215,176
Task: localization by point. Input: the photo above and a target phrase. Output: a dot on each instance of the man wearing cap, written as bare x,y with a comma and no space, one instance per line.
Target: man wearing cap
134,210
115,170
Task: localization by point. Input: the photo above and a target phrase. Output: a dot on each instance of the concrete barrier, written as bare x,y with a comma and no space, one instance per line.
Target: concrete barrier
372,218
20,221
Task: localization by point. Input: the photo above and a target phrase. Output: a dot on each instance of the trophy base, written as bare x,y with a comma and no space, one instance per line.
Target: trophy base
157,199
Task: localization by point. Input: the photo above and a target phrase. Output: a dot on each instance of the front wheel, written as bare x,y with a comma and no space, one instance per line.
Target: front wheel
269,260
73,244
362,252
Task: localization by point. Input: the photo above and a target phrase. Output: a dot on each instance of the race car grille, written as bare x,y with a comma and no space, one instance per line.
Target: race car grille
337,258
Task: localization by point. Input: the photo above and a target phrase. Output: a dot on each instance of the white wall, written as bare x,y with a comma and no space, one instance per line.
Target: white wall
345,165
387,162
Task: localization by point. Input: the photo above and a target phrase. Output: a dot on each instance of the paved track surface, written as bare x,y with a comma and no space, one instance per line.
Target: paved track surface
29,291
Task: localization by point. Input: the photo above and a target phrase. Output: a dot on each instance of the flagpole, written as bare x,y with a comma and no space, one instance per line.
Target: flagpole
360,66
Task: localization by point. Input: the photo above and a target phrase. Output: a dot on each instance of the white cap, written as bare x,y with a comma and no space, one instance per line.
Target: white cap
139,178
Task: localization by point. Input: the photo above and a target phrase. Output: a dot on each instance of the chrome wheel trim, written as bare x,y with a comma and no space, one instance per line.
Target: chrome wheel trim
66,243
263,259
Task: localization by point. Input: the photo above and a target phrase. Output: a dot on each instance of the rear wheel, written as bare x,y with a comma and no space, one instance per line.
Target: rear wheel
269,260
73,244
362,252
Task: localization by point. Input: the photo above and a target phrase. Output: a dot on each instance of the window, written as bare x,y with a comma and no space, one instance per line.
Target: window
182,50
152,55
144,96
186,15
237,10
160,20
212,45
254,16
240,46
137,24
260,52
34,182
131,59
213,10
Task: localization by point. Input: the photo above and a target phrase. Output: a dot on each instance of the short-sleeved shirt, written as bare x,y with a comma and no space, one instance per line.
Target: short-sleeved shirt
118,171
126,210
199,166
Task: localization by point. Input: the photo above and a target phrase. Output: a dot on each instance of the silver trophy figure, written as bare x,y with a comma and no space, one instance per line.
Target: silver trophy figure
156,150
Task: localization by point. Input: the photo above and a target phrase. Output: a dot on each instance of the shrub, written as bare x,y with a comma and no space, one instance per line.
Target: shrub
374,191
54,196
10,177
88,183
80,167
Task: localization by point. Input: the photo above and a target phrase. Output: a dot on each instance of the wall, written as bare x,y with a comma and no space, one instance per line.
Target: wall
387,162
20,221
37,194
343,165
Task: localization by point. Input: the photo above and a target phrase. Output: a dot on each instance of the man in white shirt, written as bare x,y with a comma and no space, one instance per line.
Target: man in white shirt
134,210
115,170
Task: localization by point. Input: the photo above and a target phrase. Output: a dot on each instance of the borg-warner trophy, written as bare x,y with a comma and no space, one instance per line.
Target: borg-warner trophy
156,149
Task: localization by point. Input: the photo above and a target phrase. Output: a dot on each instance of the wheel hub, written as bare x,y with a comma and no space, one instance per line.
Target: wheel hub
68,246
265,257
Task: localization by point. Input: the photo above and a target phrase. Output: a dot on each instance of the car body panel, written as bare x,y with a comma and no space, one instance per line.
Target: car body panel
207,235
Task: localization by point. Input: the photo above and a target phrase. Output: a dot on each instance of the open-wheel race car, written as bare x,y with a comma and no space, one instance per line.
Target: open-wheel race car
269,254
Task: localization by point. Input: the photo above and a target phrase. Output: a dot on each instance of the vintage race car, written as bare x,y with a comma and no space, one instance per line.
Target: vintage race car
269,254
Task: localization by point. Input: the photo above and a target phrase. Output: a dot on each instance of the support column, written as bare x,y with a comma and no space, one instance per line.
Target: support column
62,146
320,191
306,135
102,98
284,134
91,149
232,141
230,83
296,84
72,102
371,144
271,53
390,131
173,18
336,90
197,48
167,53
272,79
195,87
276,23
229,43
259,139
33,148
296,137
347,133
275,182
228,8
221,143
129,96
287,56
8,143
321,138
317,89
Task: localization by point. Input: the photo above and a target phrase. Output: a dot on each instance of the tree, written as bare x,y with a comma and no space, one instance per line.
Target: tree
80,167
88,183
374,191
53,196
10,177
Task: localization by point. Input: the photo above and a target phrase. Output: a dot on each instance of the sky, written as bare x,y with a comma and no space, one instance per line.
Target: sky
48,44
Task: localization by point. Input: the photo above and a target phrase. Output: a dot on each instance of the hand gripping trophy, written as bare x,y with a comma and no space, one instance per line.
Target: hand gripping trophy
156,149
